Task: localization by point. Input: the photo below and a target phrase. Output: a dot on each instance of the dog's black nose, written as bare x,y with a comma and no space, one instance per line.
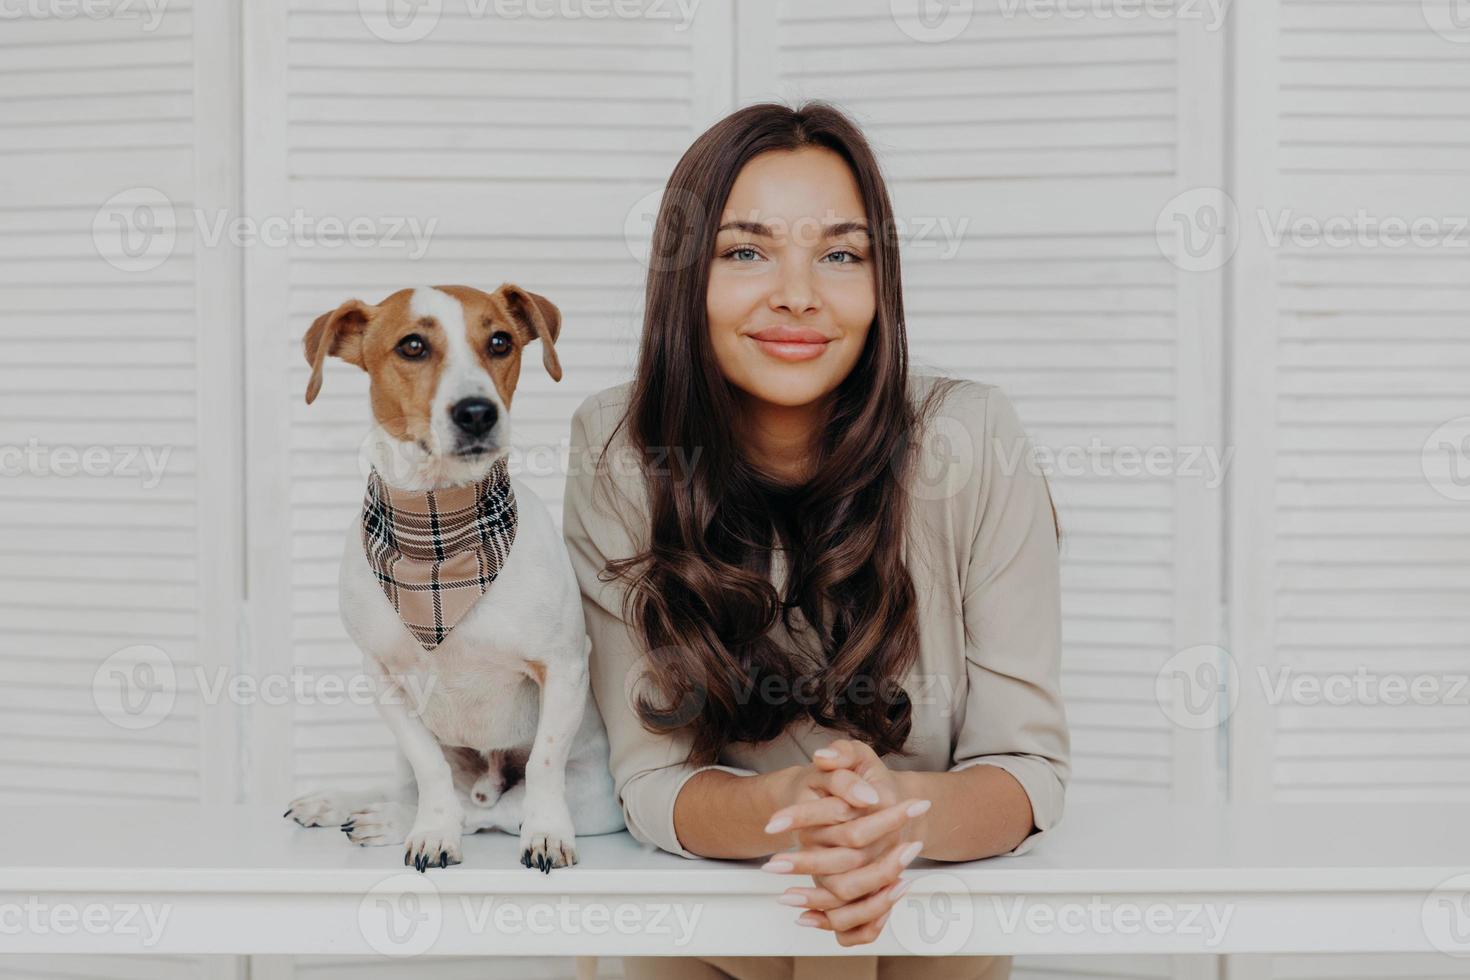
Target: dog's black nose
474,416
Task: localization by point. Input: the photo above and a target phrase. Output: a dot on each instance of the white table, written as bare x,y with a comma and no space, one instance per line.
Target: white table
1111,879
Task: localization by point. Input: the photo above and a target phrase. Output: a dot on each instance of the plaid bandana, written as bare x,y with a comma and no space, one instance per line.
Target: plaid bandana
435,552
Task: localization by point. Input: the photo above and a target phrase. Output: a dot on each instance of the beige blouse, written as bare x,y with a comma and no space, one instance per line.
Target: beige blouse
982,551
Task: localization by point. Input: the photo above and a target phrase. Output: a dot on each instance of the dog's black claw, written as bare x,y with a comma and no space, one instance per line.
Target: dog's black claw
405,857
288,812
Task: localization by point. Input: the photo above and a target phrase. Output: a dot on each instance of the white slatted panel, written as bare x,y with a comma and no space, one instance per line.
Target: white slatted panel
1427,966
1350,562
95,356
98,356
1369,356
1370,88
1373,562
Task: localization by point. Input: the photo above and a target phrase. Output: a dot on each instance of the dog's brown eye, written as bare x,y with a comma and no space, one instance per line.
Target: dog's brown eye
412,347
500,343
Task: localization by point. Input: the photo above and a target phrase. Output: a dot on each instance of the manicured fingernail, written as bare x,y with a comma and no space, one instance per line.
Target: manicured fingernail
907,855
899,889
778,824
791,898
808,919
777,867
825,754
865,793
921,807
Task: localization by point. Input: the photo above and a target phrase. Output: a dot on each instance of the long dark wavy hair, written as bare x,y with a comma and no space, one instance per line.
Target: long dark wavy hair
701,595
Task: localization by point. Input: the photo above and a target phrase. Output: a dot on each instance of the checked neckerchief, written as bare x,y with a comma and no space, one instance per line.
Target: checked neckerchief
435,552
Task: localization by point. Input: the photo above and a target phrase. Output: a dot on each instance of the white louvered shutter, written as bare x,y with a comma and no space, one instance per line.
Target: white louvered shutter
118,417
1352,542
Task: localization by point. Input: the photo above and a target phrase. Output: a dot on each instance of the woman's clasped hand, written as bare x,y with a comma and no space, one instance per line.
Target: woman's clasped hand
853,832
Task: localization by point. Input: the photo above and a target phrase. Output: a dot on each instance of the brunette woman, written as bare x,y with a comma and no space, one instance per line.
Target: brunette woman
822,590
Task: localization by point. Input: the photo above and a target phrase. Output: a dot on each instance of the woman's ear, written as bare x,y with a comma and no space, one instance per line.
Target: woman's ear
540,317
338,333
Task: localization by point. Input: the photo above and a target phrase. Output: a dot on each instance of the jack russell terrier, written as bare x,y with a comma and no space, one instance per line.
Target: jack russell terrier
459,591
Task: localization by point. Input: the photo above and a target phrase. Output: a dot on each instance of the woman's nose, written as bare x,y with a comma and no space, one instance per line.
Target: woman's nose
794,290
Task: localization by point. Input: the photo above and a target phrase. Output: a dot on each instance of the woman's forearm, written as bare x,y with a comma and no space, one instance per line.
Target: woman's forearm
976,813
718,814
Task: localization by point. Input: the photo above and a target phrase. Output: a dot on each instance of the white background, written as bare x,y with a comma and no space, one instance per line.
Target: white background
1058,166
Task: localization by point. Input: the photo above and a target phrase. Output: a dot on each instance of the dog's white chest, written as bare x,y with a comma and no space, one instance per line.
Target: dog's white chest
474,688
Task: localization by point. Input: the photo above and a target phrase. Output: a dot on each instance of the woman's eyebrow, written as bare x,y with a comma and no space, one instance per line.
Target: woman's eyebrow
830,231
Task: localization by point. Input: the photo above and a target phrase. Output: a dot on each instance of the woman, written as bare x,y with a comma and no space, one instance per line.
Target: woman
822,591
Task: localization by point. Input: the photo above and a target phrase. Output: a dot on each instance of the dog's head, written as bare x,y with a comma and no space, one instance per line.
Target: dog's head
443,363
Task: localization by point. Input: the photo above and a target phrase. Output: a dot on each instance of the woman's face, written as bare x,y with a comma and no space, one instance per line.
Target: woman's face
793,262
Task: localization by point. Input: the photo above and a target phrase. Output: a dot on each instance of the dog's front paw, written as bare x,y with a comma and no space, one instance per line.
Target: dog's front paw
379,824
431,844
317,810
548,844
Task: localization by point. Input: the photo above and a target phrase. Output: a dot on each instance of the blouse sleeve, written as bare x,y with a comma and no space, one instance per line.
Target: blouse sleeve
603,505
1013,716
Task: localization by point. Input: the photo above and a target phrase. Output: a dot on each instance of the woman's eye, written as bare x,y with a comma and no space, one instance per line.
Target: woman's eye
500,343
412,347
850,257
742,253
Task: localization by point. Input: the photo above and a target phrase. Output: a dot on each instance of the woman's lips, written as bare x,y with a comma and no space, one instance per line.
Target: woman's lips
788,350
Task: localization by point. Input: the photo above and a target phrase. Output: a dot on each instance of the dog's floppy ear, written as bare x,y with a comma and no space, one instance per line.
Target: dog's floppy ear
338,333
540,317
